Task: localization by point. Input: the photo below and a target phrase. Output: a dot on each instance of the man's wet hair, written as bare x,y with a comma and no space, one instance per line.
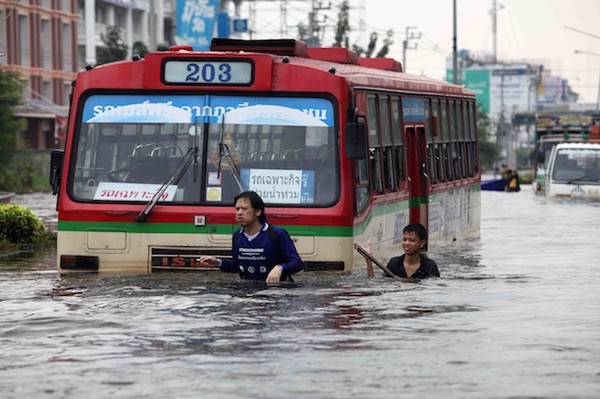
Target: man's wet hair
417,228
255,201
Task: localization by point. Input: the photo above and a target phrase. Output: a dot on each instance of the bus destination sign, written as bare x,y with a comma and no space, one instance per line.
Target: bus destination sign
208,72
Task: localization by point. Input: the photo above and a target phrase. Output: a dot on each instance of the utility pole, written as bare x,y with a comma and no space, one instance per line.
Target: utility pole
315,27
454,48
494,13
406,45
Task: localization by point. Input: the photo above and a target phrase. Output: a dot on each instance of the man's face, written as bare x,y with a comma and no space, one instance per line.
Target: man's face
245,215
411,243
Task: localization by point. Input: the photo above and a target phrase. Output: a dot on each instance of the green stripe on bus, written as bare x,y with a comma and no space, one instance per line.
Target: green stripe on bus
186,228
381,210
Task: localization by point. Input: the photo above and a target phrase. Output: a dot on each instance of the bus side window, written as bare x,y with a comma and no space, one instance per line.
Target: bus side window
398,138
429,132
375,153
386,142
362,179
474,138
447,152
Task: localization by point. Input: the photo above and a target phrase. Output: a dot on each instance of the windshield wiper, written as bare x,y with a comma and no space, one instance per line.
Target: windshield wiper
225,151
584,177
191,156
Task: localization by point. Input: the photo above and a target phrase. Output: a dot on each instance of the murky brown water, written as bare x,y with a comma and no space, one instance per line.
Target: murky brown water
515,315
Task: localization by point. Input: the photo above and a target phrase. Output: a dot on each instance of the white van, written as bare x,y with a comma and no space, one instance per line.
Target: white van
574,171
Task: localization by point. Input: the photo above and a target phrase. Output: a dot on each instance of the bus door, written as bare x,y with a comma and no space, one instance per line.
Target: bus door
416,157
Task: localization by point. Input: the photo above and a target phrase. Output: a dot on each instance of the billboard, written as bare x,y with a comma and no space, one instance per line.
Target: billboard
195,22
501,87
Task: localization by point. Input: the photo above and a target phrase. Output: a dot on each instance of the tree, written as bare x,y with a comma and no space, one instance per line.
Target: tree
370,47
303,33
489,152
140,49
115,50
387,42
11,87
343,26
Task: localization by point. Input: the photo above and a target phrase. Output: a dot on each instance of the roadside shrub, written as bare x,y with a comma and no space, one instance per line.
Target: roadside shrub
18,225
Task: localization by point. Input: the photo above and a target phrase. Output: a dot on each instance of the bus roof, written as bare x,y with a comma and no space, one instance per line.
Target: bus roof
382,73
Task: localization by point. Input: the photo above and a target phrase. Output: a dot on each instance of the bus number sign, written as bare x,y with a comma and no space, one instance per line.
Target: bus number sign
208,72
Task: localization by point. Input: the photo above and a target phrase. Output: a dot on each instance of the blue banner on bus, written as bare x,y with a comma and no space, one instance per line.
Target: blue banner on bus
413,110
281,111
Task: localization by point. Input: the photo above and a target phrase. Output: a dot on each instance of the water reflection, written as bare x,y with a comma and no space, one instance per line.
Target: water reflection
513,316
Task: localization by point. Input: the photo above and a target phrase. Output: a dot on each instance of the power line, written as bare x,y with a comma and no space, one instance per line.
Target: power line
582,32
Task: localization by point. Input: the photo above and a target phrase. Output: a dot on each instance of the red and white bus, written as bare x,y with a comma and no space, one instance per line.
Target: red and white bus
340,148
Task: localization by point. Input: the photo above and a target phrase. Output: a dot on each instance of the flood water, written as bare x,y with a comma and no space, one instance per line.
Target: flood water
515,315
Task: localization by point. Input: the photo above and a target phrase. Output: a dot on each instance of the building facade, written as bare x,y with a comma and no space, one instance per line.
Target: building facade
48,41
38,40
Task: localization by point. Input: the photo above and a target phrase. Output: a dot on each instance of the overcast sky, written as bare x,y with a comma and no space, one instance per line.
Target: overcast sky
544,31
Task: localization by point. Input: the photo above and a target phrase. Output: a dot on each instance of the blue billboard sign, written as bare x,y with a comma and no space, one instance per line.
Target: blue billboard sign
195,22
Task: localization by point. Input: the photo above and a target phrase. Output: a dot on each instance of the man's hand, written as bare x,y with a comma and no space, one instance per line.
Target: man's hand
275,274
209,261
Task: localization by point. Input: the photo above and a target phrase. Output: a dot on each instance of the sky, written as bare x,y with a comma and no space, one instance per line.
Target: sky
533,31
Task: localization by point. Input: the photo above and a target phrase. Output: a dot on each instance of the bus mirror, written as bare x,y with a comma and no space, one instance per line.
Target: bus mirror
56,161
356,143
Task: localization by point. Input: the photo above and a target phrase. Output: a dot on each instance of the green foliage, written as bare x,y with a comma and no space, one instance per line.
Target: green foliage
140,48
489,152
27,173
303,33
18,225
115,50
368,52
387,42
343,26
10,97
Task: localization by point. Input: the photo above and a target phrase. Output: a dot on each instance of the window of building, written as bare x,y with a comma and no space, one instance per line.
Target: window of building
46,44
101,14
47,90
24,45
65,5
66,93
67,41
120,17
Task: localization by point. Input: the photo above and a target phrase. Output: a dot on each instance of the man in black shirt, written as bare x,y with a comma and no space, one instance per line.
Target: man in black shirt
413,264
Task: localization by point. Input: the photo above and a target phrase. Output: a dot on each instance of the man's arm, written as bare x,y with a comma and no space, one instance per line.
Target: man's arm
292,263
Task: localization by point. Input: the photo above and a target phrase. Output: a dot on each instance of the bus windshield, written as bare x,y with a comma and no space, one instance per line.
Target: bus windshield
577,165
205,149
